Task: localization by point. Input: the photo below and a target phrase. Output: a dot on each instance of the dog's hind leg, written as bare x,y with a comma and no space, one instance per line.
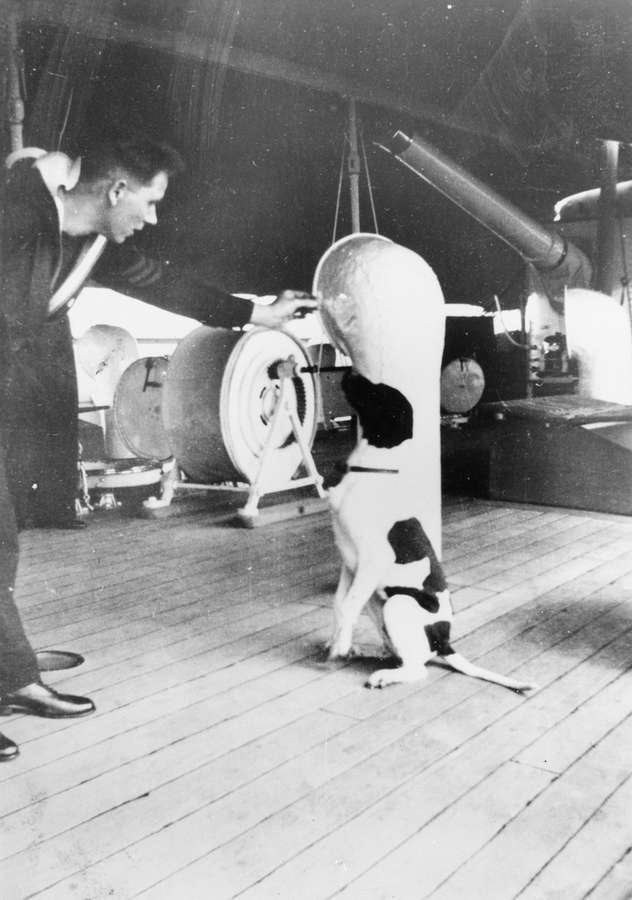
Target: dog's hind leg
404,622
376,614
348,606
344,583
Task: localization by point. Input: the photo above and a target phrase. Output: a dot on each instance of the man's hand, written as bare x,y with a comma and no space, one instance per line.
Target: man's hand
288,305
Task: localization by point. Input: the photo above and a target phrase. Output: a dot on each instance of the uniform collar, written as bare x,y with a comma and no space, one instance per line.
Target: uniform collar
56,169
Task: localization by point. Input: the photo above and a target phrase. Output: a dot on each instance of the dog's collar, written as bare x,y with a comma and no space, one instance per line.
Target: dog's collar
370,469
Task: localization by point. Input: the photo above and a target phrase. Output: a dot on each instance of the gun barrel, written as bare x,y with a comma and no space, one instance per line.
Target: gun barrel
547,250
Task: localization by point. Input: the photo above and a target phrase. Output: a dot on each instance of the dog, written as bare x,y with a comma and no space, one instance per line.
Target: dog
388,561
383,308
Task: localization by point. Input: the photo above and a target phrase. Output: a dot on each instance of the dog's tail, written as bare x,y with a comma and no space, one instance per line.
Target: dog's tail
461,664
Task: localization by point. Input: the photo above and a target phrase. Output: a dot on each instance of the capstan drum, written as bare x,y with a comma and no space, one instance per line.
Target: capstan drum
218,400
102,354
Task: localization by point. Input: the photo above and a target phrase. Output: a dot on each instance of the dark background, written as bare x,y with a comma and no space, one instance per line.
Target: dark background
521,93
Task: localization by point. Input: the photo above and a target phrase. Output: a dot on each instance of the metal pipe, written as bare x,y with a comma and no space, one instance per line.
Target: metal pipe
548,251
607,269
353,165
289,368
16,102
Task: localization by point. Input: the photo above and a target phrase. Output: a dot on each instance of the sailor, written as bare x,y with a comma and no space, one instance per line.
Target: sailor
65,220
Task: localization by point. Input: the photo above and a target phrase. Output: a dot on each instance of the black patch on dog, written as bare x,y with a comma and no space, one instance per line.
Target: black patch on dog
409,541
439,638
411,544
386,416
427,601
435,582
335,474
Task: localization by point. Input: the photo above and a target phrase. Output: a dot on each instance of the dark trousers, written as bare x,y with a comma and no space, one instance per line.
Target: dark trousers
18,665
41,431
38,474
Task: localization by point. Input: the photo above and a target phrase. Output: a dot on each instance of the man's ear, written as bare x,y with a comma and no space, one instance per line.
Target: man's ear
116,191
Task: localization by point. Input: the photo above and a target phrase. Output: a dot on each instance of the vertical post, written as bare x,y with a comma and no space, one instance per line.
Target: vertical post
353,164
16,103
606,269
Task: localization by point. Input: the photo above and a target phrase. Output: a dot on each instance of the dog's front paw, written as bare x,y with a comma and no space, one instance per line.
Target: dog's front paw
340,645
341,654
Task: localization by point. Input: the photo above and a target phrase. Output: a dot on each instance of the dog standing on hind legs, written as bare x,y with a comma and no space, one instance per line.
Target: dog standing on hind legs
388,560
383,307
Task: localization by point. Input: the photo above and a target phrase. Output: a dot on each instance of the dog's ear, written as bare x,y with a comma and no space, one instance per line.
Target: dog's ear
385,414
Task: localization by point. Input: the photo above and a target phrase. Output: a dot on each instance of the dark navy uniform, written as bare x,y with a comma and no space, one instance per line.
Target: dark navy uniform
38,392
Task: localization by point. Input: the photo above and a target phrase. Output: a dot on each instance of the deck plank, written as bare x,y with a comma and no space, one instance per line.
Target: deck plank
346,797
390,842
615,885
509,862
225,751
590,854
470,822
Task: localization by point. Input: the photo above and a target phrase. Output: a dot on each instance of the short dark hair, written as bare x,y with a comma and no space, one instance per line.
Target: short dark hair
137,155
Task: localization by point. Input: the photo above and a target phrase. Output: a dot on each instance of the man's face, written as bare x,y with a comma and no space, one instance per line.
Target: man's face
132,205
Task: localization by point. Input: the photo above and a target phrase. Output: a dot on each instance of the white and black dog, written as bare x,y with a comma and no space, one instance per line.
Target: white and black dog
383,307
387,559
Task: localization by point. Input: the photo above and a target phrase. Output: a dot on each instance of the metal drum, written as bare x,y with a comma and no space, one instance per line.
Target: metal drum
462,385
137,408
218,402
102,354
113,474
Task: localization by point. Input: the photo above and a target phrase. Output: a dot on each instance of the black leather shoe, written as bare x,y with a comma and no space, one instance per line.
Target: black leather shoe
40,700
8,750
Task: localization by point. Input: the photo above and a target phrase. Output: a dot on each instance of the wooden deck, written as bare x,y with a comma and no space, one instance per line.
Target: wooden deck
227,759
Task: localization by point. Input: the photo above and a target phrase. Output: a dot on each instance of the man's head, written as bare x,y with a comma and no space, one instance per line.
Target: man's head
120,185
